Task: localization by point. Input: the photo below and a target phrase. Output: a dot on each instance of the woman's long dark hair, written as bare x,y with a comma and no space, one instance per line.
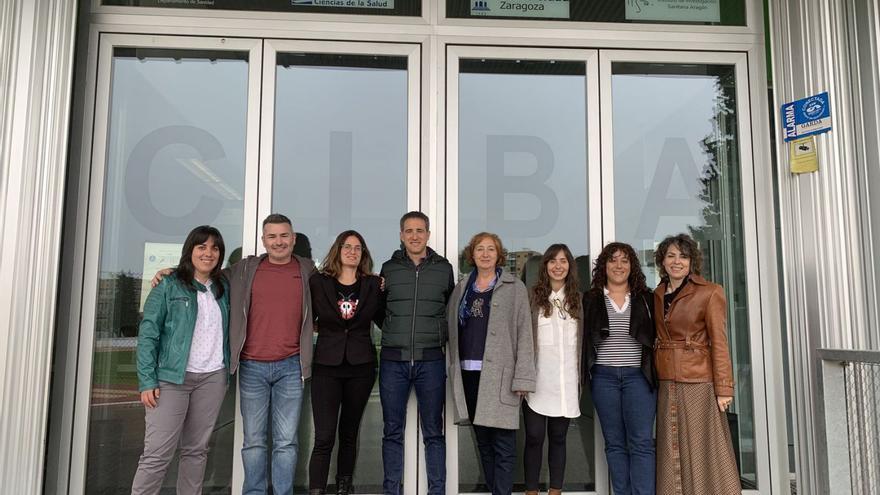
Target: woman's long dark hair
542,290
332,264
636,278
185,269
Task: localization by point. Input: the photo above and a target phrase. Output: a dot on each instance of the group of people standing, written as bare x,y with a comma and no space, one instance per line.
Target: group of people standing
506,350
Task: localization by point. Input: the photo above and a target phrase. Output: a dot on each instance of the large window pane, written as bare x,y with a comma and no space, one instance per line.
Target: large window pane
523,175
677,169
340,162
175,160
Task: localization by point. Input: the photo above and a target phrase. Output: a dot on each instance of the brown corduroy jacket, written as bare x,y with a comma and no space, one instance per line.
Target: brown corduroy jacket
692,337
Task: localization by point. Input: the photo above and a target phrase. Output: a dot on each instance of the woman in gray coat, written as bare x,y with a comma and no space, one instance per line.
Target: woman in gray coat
491,356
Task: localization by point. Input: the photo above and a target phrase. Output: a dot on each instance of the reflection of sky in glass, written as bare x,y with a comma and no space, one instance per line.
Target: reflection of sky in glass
176,137
659,124
652,115
529,125
523,175
341,153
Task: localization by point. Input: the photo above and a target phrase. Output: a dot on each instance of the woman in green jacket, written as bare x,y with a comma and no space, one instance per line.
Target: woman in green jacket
182,363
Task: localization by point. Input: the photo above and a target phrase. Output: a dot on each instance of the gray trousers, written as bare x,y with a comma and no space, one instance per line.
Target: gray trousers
185,415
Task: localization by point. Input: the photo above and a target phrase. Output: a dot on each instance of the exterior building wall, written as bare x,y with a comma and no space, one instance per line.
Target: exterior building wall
828,232
35,88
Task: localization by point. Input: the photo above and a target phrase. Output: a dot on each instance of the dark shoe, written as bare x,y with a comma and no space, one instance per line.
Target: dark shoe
343,485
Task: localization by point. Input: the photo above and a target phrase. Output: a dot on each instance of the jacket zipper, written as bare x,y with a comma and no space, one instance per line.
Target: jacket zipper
412,347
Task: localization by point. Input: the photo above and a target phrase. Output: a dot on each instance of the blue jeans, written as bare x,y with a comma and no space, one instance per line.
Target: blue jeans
626,406
396,379
277,387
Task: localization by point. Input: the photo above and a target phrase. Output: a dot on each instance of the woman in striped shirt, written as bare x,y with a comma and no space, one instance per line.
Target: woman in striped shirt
618,348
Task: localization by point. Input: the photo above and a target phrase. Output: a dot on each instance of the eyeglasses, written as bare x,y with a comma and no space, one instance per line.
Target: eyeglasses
348,247
557,303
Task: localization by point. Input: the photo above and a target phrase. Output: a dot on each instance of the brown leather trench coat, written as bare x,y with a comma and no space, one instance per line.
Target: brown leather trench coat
692,338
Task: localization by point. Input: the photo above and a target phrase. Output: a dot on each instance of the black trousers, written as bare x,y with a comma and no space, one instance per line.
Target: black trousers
337,402
497,446
537,427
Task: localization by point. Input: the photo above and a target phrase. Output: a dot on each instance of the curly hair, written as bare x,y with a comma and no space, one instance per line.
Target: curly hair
332,264
636,280
689,249
542,290
468,253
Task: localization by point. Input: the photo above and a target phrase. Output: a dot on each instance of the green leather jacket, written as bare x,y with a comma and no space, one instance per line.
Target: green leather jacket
166,331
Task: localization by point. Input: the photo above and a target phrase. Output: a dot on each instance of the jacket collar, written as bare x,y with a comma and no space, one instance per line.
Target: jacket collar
401,255
693,278
506,277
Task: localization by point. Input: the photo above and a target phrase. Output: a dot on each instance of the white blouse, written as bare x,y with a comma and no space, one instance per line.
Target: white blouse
556,386
206,350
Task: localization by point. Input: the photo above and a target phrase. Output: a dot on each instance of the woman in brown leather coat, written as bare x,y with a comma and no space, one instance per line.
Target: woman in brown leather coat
694,451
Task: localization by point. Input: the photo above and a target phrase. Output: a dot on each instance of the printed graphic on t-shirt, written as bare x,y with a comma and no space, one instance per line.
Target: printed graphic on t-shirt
477,308
347,306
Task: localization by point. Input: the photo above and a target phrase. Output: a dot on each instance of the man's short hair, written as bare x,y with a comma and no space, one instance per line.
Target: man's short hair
277,218
415,214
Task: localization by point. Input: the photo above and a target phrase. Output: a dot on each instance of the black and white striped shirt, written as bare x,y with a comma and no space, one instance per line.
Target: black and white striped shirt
619,349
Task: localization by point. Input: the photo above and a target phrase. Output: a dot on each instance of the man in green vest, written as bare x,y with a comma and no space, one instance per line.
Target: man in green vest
418,282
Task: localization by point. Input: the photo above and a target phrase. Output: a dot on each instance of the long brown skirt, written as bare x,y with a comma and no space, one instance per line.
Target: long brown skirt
694,452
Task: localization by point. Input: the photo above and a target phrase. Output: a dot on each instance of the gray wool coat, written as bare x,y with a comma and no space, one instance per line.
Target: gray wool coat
509,359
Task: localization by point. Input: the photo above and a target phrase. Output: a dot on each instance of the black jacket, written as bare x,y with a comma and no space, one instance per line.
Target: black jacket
641,328
336,338
415,309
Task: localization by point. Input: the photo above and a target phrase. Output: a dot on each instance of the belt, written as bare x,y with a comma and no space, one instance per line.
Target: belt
679,344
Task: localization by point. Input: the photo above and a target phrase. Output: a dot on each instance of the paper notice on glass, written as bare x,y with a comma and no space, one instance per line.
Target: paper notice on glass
674,10
550,9
157,256
803,155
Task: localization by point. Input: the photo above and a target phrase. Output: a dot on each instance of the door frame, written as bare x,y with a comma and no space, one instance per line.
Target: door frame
95,156
590,57
749,202
263,205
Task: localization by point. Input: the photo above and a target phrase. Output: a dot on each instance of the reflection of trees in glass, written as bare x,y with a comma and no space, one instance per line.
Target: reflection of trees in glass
721,238
118,312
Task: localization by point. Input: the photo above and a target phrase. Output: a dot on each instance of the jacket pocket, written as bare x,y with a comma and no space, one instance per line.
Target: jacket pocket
695,364
507,396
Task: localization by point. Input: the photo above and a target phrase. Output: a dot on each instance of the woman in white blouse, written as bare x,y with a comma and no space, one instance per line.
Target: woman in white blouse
557,320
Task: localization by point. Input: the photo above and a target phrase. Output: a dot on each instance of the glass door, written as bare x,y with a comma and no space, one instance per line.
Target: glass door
174,146
677,157
340,150
523,162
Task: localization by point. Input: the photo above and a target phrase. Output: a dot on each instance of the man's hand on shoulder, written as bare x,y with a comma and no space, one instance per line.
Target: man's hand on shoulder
160,275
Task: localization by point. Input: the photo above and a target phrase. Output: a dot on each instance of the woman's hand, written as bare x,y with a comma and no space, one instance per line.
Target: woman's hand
150,398
521,394
724,403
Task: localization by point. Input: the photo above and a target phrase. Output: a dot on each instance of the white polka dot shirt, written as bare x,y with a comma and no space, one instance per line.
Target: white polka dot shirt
206,351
